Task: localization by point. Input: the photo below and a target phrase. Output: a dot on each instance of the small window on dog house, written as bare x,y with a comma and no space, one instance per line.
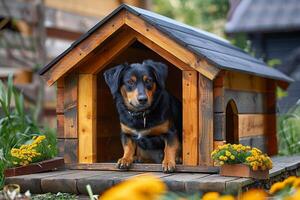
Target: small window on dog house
204,72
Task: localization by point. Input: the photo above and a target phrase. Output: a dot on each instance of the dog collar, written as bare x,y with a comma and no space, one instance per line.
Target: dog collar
140,114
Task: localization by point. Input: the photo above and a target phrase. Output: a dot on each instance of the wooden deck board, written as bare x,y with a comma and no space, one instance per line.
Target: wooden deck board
75,181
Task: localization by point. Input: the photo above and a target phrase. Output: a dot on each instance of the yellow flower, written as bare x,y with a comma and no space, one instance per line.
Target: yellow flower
211,196
255,168
276,187
254,194
144,187
225,158
221,162
232,157
289,180
296,183
227,153
226,197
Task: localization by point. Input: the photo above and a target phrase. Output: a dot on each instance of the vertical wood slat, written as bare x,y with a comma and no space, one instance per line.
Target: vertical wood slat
70,120
60,109
219,101
190,117
60,96
87,118
271,125
206,140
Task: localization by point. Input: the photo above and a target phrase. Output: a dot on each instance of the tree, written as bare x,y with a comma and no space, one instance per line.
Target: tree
209,15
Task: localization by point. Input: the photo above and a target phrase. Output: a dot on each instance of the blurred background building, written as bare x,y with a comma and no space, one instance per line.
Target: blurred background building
273,27
33,32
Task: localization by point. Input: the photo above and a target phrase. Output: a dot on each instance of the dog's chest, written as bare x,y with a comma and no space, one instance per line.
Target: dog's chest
155,130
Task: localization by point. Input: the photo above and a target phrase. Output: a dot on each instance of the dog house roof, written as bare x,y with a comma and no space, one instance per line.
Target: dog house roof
217,51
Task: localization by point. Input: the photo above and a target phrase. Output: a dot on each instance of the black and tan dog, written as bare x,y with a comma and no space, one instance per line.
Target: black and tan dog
149,116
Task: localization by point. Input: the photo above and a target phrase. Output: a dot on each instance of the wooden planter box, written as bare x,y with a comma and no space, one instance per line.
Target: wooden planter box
241,170
43,166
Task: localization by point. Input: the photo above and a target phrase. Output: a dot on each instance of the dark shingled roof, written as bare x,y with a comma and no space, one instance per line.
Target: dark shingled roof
216,50
265,16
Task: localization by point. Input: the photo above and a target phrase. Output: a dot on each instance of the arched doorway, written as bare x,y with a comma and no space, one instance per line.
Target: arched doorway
232,123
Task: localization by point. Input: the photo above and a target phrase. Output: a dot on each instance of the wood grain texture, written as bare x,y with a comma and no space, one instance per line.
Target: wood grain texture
219,126
171,46
141,167
247,102
206,134
218,85
60,96
60,126
70,122
71,150
163,53
254,124
87,118
110,49
190,117
245,82
71,90
84,48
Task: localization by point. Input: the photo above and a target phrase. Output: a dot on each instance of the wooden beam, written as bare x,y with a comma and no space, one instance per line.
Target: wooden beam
84,48
108,51
219,104
163,53
190,117
245,82
142,167
206,135
87,118
272,133
165,42
255,124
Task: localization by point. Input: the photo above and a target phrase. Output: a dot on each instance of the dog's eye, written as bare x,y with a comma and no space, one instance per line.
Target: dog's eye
148,81
130,82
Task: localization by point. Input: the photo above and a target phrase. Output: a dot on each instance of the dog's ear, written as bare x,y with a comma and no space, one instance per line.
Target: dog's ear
112,78
160,71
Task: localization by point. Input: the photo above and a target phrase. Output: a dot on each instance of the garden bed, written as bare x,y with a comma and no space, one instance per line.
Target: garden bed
43,166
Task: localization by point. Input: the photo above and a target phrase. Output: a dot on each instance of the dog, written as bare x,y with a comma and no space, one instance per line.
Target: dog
150,117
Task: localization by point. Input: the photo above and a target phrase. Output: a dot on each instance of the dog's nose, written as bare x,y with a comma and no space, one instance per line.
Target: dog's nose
142,99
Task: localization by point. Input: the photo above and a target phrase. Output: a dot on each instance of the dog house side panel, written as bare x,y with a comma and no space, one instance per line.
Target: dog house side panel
255,101
205,117
67,117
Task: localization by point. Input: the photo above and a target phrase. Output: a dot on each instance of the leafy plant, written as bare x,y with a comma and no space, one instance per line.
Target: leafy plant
289,131
17,127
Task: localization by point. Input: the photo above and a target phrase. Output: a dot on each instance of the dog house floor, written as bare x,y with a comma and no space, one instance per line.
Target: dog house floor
75,181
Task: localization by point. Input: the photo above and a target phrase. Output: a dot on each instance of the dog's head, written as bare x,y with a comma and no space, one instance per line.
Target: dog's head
137,82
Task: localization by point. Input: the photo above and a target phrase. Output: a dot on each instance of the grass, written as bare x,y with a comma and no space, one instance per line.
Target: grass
289,131
58,196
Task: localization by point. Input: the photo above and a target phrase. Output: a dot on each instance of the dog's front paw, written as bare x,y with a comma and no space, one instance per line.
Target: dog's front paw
168,166
124,163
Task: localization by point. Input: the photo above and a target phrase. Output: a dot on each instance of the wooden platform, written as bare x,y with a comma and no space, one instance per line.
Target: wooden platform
74,181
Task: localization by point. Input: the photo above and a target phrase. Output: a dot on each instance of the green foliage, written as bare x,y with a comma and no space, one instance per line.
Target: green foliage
289,131
17,127
58,196
209,15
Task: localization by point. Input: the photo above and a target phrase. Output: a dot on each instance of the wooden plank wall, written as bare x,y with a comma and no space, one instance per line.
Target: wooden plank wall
67,117
206,122
255,99
190,118
87,118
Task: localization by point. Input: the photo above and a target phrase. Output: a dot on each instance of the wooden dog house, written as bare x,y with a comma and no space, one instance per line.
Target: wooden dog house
226,95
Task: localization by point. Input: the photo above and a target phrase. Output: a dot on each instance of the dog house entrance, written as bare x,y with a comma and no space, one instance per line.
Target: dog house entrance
109,147
232,123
